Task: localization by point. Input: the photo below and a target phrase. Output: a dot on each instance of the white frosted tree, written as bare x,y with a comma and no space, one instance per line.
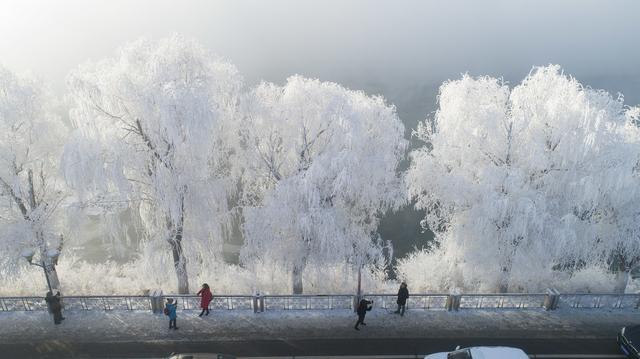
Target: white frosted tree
31,141
148,136
522,184
319,168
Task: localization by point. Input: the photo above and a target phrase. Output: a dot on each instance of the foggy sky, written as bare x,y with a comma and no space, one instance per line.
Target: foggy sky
382,41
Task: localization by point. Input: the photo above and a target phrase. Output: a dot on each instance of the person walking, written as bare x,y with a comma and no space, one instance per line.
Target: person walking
363,308
59,306
170,310
55,306
403,295
205,298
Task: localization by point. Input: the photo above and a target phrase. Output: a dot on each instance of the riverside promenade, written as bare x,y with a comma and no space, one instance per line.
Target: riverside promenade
129,334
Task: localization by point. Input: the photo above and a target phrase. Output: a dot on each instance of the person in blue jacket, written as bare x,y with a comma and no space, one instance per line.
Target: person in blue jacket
170,310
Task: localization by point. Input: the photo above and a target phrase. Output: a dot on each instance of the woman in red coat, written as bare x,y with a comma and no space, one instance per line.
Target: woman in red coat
205,298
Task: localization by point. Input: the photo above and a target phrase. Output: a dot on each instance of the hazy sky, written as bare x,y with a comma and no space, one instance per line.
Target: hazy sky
400,49
386,42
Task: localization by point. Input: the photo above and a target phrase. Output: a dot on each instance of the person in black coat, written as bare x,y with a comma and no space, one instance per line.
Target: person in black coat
403,295
55,307
60,306
49,299
363,308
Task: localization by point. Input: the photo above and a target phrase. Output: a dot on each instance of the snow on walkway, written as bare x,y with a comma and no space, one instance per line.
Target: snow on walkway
115,326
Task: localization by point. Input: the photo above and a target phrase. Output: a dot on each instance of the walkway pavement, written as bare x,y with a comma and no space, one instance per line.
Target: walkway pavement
229,326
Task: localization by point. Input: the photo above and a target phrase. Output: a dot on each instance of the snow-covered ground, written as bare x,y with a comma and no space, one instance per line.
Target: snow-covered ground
116,326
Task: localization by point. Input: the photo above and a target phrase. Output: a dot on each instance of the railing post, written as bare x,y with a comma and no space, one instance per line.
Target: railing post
453,302
156,297
255,302
355,301
258,303
551,299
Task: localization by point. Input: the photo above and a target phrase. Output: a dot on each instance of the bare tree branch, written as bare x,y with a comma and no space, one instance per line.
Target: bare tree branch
16,199
150,145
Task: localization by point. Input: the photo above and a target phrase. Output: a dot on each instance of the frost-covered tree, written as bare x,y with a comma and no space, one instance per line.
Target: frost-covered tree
524,183
319,168
31,141
148,136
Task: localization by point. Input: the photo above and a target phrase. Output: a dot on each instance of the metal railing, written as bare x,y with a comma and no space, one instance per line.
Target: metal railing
551,300
14,304
111,302
219,302
415,301
599,300
315,302
498,301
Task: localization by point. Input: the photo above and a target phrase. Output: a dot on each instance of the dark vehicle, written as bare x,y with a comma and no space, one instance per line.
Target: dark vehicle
201,356
629,341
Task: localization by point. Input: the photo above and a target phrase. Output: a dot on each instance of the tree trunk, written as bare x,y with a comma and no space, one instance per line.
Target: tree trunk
622,279
622,268
503,287
297,277
507,265
180,265
49,268
503,284
179,260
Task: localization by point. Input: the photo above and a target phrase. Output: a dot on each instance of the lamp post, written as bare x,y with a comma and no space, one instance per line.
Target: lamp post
356,300
359,282
52,256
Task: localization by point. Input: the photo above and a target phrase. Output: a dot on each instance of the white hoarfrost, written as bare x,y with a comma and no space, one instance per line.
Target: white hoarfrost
31,190
148,137
319,169
525,188
528,187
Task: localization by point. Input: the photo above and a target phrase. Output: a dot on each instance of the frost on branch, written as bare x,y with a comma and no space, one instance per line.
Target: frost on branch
148,133
31,139
319,168
526,187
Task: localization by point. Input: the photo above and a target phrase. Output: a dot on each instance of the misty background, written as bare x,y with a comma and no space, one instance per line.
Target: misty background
402,50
